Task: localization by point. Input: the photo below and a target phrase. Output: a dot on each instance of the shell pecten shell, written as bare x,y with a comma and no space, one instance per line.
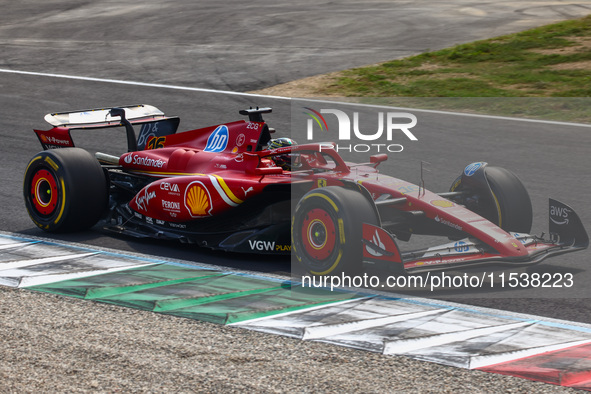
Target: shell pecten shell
198,200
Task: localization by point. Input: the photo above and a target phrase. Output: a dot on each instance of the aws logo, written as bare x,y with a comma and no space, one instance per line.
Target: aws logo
559,215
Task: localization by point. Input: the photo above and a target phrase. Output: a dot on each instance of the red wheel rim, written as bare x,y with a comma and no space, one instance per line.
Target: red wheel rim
318,234
44,194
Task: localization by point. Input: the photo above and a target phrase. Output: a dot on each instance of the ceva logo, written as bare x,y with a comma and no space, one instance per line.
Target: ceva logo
218,140
388,122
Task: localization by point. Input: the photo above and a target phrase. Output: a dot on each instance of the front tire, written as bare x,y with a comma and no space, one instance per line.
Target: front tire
327,230
508,205
65,190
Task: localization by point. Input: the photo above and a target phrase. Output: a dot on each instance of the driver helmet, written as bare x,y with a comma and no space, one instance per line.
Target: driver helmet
283,161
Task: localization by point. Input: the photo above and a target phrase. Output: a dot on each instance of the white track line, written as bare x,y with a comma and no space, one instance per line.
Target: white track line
232,93
144,84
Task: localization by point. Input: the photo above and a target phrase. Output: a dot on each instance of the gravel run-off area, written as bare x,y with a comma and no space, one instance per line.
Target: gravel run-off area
52,343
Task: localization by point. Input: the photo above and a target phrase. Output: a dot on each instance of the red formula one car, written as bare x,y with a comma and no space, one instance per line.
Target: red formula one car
222,187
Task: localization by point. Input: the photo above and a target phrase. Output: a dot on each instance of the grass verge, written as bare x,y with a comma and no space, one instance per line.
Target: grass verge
548,61
552,61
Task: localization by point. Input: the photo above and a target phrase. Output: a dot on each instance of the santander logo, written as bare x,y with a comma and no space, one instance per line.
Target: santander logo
143,161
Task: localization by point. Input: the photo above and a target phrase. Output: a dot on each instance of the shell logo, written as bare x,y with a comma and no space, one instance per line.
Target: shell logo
198,199
442,203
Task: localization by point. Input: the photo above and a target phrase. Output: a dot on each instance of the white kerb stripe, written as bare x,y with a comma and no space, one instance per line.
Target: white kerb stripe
409,345
47,279
44,260
316,332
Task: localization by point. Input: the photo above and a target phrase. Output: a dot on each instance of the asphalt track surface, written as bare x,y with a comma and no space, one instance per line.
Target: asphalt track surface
243,46
551,159
247,45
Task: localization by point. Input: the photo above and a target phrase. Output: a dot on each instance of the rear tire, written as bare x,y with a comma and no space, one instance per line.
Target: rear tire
510,206
65,190
327,230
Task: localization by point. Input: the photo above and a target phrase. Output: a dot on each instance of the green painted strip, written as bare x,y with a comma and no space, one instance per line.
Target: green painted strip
79,288
195,293
109,291
245,316
266,304
169,305
188,293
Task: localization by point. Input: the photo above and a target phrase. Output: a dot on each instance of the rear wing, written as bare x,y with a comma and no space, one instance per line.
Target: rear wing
153,124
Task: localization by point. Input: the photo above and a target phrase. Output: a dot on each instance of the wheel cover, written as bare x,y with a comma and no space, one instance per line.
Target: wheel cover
44,194
318,234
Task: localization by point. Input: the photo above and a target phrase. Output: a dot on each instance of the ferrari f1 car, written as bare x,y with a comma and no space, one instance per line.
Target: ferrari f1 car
223,188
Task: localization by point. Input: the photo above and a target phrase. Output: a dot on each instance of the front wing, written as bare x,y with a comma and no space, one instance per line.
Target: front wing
566,234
